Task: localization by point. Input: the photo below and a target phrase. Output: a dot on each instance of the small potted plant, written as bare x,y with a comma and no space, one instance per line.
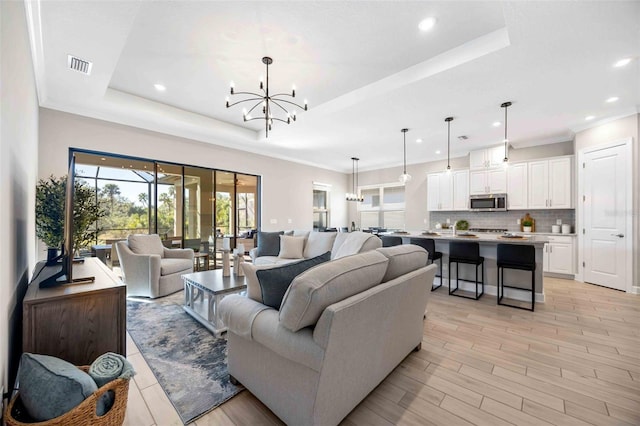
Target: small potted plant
526,225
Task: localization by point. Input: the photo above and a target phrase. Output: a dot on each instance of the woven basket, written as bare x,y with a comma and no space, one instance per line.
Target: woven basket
85,413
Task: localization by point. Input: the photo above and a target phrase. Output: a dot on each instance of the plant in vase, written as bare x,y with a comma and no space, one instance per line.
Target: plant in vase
526,225
50,200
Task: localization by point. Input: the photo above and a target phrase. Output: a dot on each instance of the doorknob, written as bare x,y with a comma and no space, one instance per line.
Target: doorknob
618,235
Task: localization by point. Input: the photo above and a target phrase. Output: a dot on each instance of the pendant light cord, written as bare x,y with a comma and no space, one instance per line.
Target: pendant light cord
405,153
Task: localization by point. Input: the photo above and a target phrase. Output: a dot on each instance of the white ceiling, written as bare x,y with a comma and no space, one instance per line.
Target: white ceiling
365,68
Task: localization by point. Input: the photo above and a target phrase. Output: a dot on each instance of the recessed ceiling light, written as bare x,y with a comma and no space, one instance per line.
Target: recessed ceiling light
589,117
160,87
418,140
612,99
102,158
427,24
438,152
622,62
496,123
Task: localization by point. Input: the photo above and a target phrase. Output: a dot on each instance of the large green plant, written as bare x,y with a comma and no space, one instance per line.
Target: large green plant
50,201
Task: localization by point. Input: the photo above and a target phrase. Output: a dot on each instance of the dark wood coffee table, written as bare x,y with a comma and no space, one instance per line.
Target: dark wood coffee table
203,291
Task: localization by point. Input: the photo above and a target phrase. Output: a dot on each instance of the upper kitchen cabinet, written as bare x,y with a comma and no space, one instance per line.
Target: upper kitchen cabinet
550,184
461,190
439,191
517,186
491,181
486,158
448,191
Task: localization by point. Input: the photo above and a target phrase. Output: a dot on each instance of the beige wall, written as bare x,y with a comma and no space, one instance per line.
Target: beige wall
417,216
627,127
287,187
18,173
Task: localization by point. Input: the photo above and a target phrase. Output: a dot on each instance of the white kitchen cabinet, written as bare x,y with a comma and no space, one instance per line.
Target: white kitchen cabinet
517,186
559,256
550,184
460,189
491,181
439,191
486,158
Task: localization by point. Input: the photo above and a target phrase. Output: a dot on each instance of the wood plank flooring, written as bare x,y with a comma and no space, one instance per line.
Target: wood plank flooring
575,361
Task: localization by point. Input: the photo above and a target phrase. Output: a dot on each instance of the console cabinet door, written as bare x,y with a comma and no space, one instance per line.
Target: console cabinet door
478,182
446,191
561,258
495,156
538,184
478,159
433,192
497,181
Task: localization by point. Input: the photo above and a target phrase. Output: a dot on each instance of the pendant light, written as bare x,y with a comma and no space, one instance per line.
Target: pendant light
448,120
353,196
405,177
506,141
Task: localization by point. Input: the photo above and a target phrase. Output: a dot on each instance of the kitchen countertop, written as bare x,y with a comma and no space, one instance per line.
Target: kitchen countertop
492,238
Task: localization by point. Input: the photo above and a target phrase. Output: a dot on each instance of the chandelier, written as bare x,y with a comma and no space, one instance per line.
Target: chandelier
506,141
405,177
274,106
353,195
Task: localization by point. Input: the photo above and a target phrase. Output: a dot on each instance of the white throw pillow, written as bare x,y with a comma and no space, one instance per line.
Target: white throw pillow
291,247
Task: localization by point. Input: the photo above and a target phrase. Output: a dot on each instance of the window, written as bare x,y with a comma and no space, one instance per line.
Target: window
383,206
321,193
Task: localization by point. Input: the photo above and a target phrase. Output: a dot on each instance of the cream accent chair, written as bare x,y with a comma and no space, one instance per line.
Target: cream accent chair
151,270
343,326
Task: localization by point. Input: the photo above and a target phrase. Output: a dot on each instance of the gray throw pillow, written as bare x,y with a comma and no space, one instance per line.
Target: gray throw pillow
269,243
274,282
50,387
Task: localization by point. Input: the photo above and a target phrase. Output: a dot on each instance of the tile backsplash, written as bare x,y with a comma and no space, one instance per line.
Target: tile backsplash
507,220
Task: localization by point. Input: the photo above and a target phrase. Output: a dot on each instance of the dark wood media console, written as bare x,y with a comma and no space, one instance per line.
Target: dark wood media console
76,322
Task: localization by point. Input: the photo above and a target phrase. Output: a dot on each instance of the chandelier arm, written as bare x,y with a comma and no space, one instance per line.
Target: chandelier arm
247,93
283,94
293,103
254,107
259,118
245,100
278,119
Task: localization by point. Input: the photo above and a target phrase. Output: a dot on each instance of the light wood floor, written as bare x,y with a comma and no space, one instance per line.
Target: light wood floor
575,361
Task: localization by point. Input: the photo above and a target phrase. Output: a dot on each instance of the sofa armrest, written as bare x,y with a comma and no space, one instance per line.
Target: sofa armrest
239,312
186,253
140,271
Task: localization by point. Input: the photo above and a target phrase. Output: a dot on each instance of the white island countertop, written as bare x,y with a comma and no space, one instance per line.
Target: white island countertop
481,237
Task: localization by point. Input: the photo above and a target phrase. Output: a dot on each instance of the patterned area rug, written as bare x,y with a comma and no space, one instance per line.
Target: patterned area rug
188,361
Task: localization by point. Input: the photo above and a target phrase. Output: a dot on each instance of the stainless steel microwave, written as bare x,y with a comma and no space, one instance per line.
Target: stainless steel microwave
488,203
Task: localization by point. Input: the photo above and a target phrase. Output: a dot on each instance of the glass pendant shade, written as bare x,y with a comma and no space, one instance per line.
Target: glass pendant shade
353,195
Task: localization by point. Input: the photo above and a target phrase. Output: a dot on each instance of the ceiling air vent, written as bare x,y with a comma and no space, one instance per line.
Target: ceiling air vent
79,65
463,138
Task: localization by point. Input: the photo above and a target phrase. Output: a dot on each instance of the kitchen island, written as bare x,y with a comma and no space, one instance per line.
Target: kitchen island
489,249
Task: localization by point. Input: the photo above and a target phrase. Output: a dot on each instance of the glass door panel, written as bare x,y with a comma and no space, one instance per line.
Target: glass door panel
170,204
246,212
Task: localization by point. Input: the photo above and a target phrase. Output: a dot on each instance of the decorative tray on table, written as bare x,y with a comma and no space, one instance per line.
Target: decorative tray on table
467,235
432,233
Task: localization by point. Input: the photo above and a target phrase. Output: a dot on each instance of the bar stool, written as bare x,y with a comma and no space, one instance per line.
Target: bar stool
390,241
430,246
516,256
469,253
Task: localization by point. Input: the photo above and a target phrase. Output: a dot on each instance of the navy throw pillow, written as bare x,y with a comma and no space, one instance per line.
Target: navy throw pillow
274,282
269,243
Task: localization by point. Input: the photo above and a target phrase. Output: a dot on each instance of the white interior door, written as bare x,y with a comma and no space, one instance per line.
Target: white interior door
605,216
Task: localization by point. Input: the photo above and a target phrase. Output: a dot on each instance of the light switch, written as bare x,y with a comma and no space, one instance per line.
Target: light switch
274,221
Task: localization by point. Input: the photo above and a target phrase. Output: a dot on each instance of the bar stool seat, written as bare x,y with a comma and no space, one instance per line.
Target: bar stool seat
430,246
390,240
520,257
469,253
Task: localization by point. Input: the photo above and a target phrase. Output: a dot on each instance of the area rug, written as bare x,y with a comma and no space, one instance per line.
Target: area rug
188,361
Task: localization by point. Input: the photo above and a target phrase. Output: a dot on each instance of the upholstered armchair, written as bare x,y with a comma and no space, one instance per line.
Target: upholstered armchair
151,270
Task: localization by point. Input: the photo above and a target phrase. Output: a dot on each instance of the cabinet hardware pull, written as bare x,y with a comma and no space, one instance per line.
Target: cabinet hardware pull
618,235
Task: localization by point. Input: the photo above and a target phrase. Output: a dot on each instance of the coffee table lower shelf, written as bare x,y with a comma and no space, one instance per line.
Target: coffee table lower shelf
203,292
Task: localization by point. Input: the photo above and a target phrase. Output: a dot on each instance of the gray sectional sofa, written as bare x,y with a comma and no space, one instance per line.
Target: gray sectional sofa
343,326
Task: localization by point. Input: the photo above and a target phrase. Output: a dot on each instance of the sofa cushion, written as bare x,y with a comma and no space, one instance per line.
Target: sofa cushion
319,243
312,291
341,237
253,285
354,243
269,243
274,282
170,266
50,387
402,259
146,244
291,247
